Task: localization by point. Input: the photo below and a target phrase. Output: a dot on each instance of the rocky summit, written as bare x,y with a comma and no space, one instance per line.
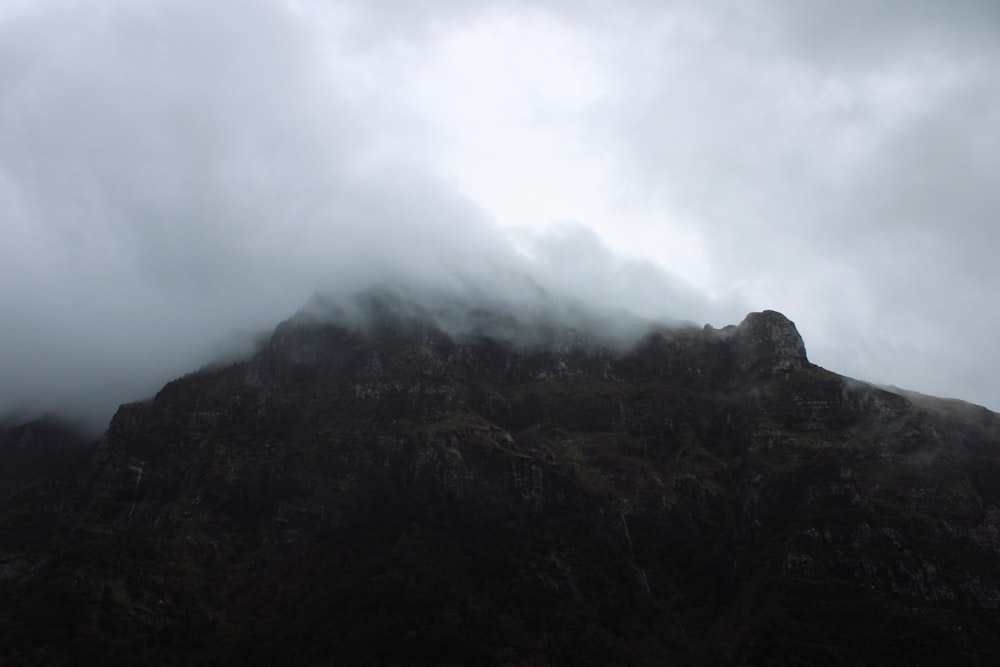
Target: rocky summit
382,487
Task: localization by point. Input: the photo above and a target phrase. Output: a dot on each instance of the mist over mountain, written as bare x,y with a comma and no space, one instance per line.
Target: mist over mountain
176,176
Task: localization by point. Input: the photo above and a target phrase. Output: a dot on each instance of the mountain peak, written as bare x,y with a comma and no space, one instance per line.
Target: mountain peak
768,342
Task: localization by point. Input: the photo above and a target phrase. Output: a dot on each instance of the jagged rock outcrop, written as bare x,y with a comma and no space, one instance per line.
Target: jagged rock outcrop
768,343
394,490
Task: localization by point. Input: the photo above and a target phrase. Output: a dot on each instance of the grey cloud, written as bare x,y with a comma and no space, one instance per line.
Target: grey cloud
572,261
858,34
837,158
171,172
177,175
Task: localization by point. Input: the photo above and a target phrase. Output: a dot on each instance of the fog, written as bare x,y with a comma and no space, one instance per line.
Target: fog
176,177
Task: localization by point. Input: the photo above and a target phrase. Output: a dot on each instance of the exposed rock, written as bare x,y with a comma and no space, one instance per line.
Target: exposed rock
386,490
768,343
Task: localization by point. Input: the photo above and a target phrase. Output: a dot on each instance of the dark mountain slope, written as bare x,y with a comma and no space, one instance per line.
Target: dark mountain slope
405,492
39,450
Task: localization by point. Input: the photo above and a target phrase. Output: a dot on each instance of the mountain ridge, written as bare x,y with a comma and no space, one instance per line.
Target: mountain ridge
408,493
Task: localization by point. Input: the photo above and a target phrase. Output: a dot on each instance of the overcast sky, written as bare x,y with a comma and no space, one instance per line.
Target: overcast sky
177,174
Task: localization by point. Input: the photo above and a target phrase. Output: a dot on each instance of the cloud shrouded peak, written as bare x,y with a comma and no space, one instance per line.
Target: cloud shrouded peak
176,174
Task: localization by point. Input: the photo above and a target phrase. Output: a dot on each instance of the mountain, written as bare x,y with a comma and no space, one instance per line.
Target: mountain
38,450
397,483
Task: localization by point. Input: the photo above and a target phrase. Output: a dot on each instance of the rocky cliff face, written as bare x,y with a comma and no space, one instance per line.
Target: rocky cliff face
769,343
401,492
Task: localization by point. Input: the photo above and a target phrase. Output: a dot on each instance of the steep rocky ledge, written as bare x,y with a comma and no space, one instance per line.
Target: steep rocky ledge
769,343
392,490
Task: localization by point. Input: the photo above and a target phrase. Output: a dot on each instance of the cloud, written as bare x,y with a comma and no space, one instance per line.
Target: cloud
171,172
834,159
572,261
175,175
178,174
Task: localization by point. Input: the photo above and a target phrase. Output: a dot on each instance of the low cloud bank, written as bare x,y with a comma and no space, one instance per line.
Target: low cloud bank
176,177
